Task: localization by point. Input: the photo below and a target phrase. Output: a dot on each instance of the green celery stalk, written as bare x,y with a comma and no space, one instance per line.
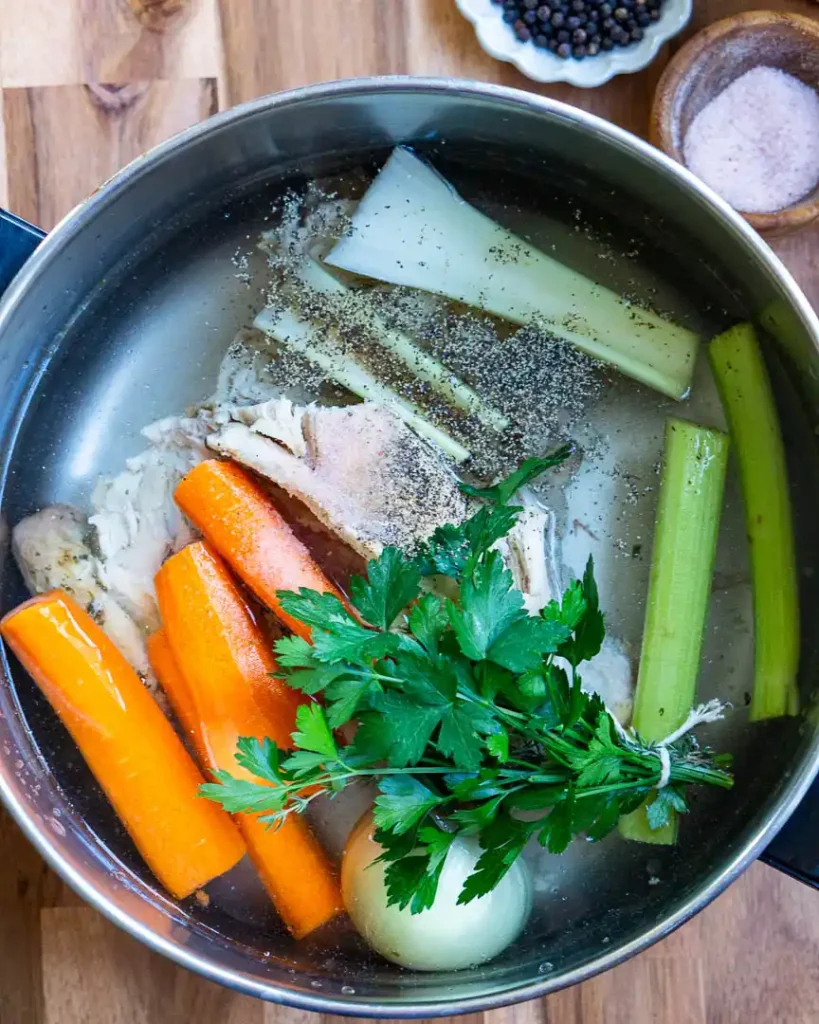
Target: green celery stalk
685,542
742,379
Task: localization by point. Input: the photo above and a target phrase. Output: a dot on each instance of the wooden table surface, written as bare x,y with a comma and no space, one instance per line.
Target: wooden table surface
85,85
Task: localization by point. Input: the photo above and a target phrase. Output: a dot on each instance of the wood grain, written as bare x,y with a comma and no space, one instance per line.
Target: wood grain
750,958
46,127
71,42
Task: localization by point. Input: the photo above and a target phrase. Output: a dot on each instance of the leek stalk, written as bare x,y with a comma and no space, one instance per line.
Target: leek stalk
425,366
745,388
299,336
412,228
685,541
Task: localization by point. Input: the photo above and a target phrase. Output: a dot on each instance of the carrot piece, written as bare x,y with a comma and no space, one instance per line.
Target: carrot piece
225,665
129,745
174,686
244,526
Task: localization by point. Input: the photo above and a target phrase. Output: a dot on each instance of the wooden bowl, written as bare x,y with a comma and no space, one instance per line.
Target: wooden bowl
714,58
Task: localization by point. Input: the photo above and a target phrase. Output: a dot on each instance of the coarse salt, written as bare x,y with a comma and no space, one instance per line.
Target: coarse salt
757,142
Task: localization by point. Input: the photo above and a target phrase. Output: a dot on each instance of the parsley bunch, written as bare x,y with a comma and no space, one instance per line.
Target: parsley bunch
469,712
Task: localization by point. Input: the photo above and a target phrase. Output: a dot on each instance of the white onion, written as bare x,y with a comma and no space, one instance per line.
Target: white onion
446,937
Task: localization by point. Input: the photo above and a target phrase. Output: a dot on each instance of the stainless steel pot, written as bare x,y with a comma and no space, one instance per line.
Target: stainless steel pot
121,314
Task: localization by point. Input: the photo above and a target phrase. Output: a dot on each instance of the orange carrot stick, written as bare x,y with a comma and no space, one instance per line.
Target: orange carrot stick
225,666
174,686
244,526
127,742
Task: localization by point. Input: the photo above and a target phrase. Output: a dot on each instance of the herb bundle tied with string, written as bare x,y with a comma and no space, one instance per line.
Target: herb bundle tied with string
470,714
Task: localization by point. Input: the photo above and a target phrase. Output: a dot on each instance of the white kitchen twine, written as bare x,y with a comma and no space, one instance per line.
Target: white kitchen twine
712,711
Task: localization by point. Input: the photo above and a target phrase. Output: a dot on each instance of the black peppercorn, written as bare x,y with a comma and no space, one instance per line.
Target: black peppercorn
579,28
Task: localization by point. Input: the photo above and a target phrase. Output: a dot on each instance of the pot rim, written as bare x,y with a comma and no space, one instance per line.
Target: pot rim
78,220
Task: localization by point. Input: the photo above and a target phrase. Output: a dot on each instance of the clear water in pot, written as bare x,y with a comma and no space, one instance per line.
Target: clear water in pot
156,347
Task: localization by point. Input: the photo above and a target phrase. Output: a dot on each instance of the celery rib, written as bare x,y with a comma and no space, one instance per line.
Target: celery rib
685,541
745,389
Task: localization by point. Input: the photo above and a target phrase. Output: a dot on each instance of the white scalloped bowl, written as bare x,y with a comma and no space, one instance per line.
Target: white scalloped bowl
497,38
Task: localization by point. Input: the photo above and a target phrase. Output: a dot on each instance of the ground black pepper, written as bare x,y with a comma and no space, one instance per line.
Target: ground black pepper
580,28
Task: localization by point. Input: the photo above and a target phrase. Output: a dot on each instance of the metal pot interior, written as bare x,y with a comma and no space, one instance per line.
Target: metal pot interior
124,320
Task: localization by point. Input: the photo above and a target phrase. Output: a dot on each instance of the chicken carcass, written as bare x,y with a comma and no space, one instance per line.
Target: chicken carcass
358,468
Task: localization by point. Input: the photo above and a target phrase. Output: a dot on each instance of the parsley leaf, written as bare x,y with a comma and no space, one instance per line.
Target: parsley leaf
313,732
502,842
556,831
392,582
348,641
260,758
583,613
452,549
501,492
521,646
406,727
427,621
668,799
402,802
313,608
489,605
459,737
242,796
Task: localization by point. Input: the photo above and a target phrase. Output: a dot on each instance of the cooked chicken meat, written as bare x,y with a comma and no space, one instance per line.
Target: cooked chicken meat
137,521
108,560
359,469
53,550
528,553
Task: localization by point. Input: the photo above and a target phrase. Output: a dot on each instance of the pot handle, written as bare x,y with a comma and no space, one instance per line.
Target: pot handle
18,240
795,850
